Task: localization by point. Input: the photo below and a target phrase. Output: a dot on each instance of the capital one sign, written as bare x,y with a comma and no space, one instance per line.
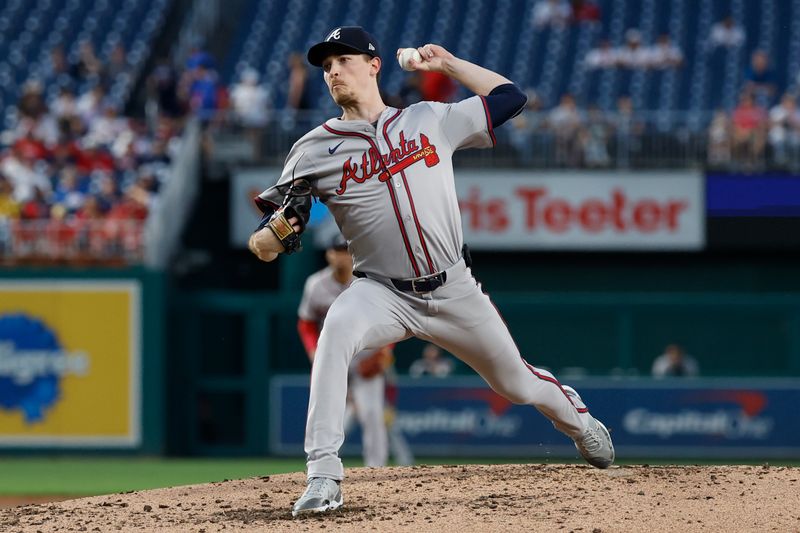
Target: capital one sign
588,211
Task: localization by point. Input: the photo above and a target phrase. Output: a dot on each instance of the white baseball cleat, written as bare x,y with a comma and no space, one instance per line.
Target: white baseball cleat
595,444
322,494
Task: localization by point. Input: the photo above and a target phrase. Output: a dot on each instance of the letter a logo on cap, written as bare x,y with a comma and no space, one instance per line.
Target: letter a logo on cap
335,34
371,47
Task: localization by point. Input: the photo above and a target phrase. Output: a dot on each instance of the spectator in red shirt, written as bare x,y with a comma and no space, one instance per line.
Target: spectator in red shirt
749,132
585,11
94,156
37,207
31,147
120,228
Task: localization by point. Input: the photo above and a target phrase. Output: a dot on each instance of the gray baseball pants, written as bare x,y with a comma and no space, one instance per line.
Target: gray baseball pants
458,317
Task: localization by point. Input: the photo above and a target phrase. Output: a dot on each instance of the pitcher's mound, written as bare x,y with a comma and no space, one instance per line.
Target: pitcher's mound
485,498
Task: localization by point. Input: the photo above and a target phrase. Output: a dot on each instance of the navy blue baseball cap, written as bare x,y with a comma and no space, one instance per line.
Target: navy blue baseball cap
344,40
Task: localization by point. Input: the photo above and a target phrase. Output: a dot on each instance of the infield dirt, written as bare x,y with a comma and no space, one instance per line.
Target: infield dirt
485,498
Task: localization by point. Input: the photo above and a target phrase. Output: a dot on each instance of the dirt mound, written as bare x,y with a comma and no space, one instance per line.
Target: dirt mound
502,498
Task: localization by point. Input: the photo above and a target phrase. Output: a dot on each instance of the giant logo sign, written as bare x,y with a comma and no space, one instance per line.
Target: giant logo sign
69,364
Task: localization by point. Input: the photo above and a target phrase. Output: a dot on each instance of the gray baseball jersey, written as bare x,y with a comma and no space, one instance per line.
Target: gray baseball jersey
391,189
404,223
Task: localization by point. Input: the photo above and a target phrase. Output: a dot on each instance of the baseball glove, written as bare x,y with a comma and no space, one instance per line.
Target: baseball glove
375,364
296,203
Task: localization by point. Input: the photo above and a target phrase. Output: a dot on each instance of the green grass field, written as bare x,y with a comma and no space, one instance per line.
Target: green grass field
84,477
70,476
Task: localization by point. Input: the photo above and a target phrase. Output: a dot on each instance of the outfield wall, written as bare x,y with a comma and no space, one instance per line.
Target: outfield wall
678,418
225,347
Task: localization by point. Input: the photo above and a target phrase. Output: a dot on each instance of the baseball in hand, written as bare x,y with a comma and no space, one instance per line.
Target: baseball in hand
406,55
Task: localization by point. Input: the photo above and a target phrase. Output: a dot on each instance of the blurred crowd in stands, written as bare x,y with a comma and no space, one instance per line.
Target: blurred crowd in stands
77,176
634,55
560,13
761,132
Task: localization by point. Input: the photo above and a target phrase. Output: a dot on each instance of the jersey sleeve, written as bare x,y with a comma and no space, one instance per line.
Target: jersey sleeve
298,164
466,124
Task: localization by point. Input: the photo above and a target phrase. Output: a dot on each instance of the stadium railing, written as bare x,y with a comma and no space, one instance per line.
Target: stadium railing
602,140
77,242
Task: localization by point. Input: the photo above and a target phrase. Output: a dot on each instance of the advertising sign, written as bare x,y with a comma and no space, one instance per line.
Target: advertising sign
70,364
647,418
523,210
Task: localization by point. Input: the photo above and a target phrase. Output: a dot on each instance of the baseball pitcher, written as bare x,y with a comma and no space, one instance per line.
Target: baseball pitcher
387,177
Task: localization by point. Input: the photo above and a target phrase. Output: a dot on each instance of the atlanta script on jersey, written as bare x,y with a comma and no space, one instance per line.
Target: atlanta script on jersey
390,185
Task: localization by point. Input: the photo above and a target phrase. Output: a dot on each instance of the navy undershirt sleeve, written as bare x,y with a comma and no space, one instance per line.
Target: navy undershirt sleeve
504,102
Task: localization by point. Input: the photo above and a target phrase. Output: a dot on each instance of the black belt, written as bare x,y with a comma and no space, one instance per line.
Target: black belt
426,283
418,285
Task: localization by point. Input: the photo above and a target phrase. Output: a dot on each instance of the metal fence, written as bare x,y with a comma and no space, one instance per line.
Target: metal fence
83,242
594,139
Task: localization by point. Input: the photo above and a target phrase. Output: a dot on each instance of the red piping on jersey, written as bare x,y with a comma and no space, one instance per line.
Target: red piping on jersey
555,382
402,227
391,193
533,371
488,121
410,197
